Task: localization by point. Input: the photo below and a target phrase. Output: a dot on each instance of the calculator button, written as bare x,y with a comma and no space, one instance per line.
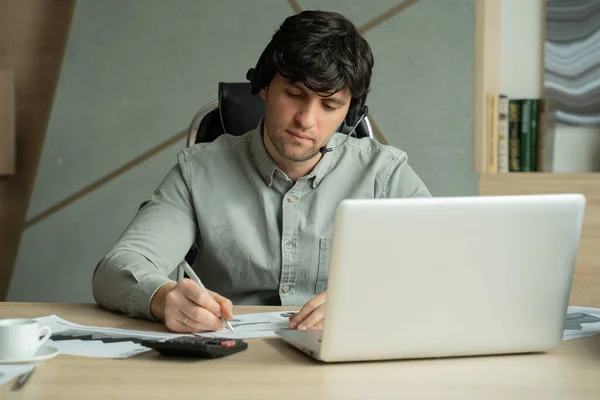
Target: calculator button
228,343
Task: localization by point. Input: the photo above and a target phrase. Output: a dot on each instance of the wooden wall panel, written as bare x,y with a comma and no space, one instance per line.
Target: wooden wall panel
586,282
33,35
487,73
7,122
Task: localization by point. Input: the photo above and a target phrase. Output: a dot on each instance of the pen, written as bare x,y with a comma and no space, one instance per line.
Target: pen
193,275
22,379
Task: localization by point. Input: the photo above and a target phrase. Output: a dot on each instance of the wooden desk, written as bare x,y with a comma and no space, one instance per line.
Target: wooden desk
270,369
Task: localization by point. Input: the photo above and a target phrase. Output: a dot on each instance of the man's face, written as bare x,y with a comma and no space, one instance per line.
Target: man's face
299,121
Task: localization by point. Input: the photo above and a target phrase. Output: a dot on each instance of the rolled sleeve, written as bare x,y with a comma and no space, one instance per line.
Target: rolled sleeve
152,246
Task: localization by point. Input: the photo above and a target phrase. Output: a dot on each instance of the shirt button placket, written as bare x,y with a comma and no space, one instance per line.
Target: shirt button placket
290,231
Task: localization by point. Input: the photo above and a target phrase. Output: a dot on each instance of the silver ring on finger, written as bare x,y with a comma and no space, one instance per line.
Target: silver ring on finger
185,320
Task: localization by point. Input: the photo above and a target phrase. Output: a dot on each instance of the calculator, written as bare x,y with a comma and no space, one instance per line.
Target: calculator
197,346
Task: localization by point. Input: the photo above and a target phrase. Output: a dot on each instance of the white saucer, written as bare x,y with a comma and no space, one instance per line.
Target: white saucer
43,353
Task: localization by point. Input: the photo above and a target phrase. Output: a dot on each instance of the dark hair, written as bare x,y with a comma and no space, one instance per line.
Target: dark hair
324,50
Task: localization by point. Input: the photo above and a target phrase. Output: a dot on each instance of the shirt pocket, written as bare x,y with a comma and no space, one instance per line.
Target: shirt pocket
324,258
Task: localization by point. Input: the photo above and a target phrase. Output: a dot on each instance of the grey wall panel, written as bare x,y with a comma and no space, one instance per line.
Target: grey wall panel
136,71
359,12
422,95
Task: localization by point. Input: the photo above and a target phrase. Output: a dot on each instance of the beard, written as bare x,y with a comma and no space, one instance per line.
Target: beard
287,149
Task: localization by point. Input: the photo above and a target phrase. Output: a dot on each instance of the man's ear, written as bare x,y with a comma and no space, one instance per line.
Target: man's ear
263,93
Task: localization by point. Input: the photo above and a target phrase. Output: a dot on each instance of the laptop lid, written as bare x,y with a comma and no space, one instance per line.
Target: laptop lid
436,277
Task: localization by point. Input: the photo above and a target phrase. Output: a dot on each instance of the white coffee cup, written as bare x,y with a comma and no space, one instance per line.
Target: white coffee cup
21,337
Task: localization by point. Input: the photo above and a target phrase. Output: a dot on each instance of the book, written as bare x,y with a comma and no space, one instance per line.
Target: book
533,126
514,136
525,136
503,134
492,133
546,133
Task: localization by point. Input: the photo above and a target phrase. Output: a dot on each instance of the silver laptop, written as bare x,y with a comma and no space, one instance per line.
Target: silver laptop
443,277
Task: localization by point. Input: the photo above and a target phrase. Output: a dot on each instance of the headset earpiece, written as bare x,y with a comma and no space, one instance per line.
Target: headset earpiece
251,76
256,75
356,112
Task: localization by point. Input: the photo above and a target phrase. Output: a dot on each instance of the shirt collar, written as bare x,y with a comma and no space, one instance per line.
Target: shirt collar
264,162
267,167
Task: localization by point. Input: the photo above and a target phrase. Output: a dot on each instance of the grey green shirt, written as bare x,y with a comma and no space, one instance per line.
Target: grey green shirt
261,238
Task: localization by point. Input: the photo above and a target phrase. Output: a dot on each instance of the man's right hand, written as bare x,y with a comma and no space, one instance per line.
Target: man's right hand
175,301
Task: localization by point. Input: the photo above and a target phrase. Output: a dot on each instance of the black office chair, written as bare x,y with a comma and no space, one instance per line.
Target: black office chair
238,111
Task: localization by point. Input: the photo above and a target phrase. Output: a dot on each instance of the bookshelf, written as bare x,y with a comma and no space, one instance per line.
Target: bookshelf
509,37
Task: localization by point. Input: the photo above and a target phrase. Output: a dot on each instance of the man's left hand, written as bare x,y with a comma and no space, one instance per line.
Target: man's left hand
312,315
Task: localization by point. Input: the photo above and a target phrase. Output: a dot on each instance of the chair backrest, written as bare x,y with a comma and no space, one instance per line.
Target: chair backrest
238,111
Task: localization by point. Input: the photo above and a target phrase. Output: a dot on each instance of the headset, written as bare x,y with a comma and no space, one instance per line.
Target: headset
259,77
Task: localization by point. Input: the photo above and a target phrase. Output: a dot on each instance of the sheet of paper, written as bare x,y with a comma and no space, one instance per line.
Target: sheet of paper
8,372
581,322
250,326
95,341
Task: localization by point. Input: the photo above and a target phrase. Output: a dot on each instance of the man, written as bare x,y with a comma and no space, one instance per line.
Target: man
259,207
